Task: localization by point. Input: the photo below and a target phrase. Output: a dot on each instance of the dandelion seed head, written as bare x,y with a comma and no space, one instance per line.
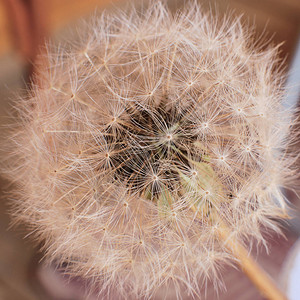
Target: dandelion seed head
141,139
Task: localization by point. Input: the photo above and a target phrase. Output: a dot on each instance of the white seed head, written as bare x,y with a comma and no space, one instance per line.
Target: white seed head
141,140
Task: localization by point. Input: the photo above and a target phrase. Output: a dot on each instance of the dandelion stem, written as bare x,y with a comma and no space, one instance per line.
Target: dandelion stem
249,266
254,272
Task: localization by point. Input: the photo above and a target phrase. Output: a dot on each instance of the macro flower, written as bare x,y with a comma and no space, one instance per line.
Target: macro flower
143,139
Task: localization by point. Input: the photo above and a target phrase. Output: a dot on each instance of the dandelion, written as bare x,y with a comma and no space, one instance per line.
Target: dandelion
143,141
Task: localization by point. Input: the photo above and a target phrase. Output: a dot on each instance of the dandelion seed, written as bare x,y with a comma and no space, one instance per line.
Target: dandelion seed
142,141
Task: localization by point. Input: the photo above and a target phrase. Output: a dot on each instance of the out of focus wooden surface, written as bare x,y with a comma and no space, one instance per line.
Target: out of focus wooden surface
59,13
278,17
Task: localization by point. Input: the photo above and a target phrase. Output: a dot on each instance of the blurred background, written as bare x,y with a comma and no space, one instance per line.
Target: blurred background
24,26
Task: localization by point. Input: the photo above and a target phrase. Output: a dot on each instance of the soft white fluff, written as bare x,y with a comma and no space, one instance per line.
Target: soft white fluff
142,139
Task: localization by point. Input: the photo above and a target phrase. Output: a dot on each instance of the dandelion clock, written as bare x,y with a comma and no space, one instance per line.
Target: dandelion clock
152,152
